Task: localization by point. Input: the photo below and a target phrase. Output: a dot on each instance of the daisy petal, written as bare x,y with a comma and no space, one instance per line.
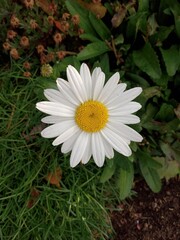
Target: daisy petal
76,84
87,154
125,110
109,88
54,108
86,77
98,150
69,143
65,89
125,131
98,85
52,119
55,96
116,142
56,129
68,133
78,149
131,94
109,152
127,119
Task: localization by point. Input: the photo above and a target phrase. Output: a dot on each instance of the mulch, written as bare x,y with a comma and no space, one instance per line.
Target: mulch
148,215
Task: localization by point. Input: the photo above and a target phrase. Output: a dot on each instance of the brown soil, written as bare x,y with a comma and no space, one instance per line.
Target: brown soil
150,216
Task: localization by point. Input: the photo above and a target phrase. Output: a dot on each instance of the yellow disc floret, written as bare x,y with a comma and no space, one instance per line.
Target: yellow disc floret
91,116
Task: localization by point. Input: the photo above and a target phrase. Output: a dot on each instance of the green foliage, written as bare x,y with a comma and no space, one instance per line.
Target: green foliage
144,47
146,59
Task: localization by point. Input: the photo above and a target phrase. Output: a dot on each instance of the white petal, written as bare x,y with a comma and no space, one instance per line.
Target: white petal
126,109
116,142
65,89
65,135
55,96
78,149
125,131
109,88
87,154
127,119
56,129
98,85
54,108
109,152
131,94
86,77
55,119
115,95
76,84
98,150
69,143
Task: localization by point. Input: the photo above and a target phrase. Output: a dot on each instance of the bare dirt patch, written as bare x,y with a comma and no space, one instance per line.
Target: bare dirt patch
150,216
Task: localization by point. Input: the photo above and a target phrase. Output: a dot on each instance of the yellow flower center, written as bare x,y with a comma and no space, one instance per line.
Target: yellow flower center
91,116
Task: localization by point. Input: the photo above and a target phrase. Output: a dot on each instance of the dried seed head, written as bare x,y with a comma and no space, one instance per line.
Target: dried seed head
14,53
43,58
33,24
24,41
29,3
27,74
96,1
61,54
11,34
6,46
27,65
46,70
40,48
14,21
65,16
57,38
50,20
75,19
50,57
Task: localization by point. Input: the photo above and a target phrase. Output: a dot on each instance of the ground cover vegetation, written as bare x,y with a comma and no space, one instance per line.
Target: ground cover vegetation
41,196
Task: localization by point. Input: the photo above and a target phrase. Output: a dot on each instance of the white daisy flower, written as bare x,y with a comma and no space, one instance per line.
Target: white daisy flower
88,117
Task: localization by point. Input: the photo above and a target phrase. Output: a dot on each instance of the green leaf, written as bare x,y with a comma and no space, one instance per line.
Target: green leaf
169,169
147,60
125,180
108,171
93,50
166,112
143,5
149,171
171,63
99,27
75,8
136,22
90,37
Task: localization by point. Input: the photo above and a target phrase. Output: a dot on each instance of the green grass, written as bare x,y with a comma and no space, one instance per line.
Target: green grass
76,210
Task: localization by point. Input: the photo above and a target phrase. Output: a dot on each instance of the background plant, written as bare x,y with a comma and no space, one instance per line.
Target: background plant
40,193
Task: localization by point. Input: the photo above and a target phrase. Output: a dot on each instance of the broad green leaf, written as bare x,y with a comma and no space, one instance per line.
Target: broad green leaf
150,174
93,50
125,180
163,32
108,171
166,112
136,22
151,92
171,63
90,37
169,169
150,162
75,8
143,5
99,27
147,60
138,79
